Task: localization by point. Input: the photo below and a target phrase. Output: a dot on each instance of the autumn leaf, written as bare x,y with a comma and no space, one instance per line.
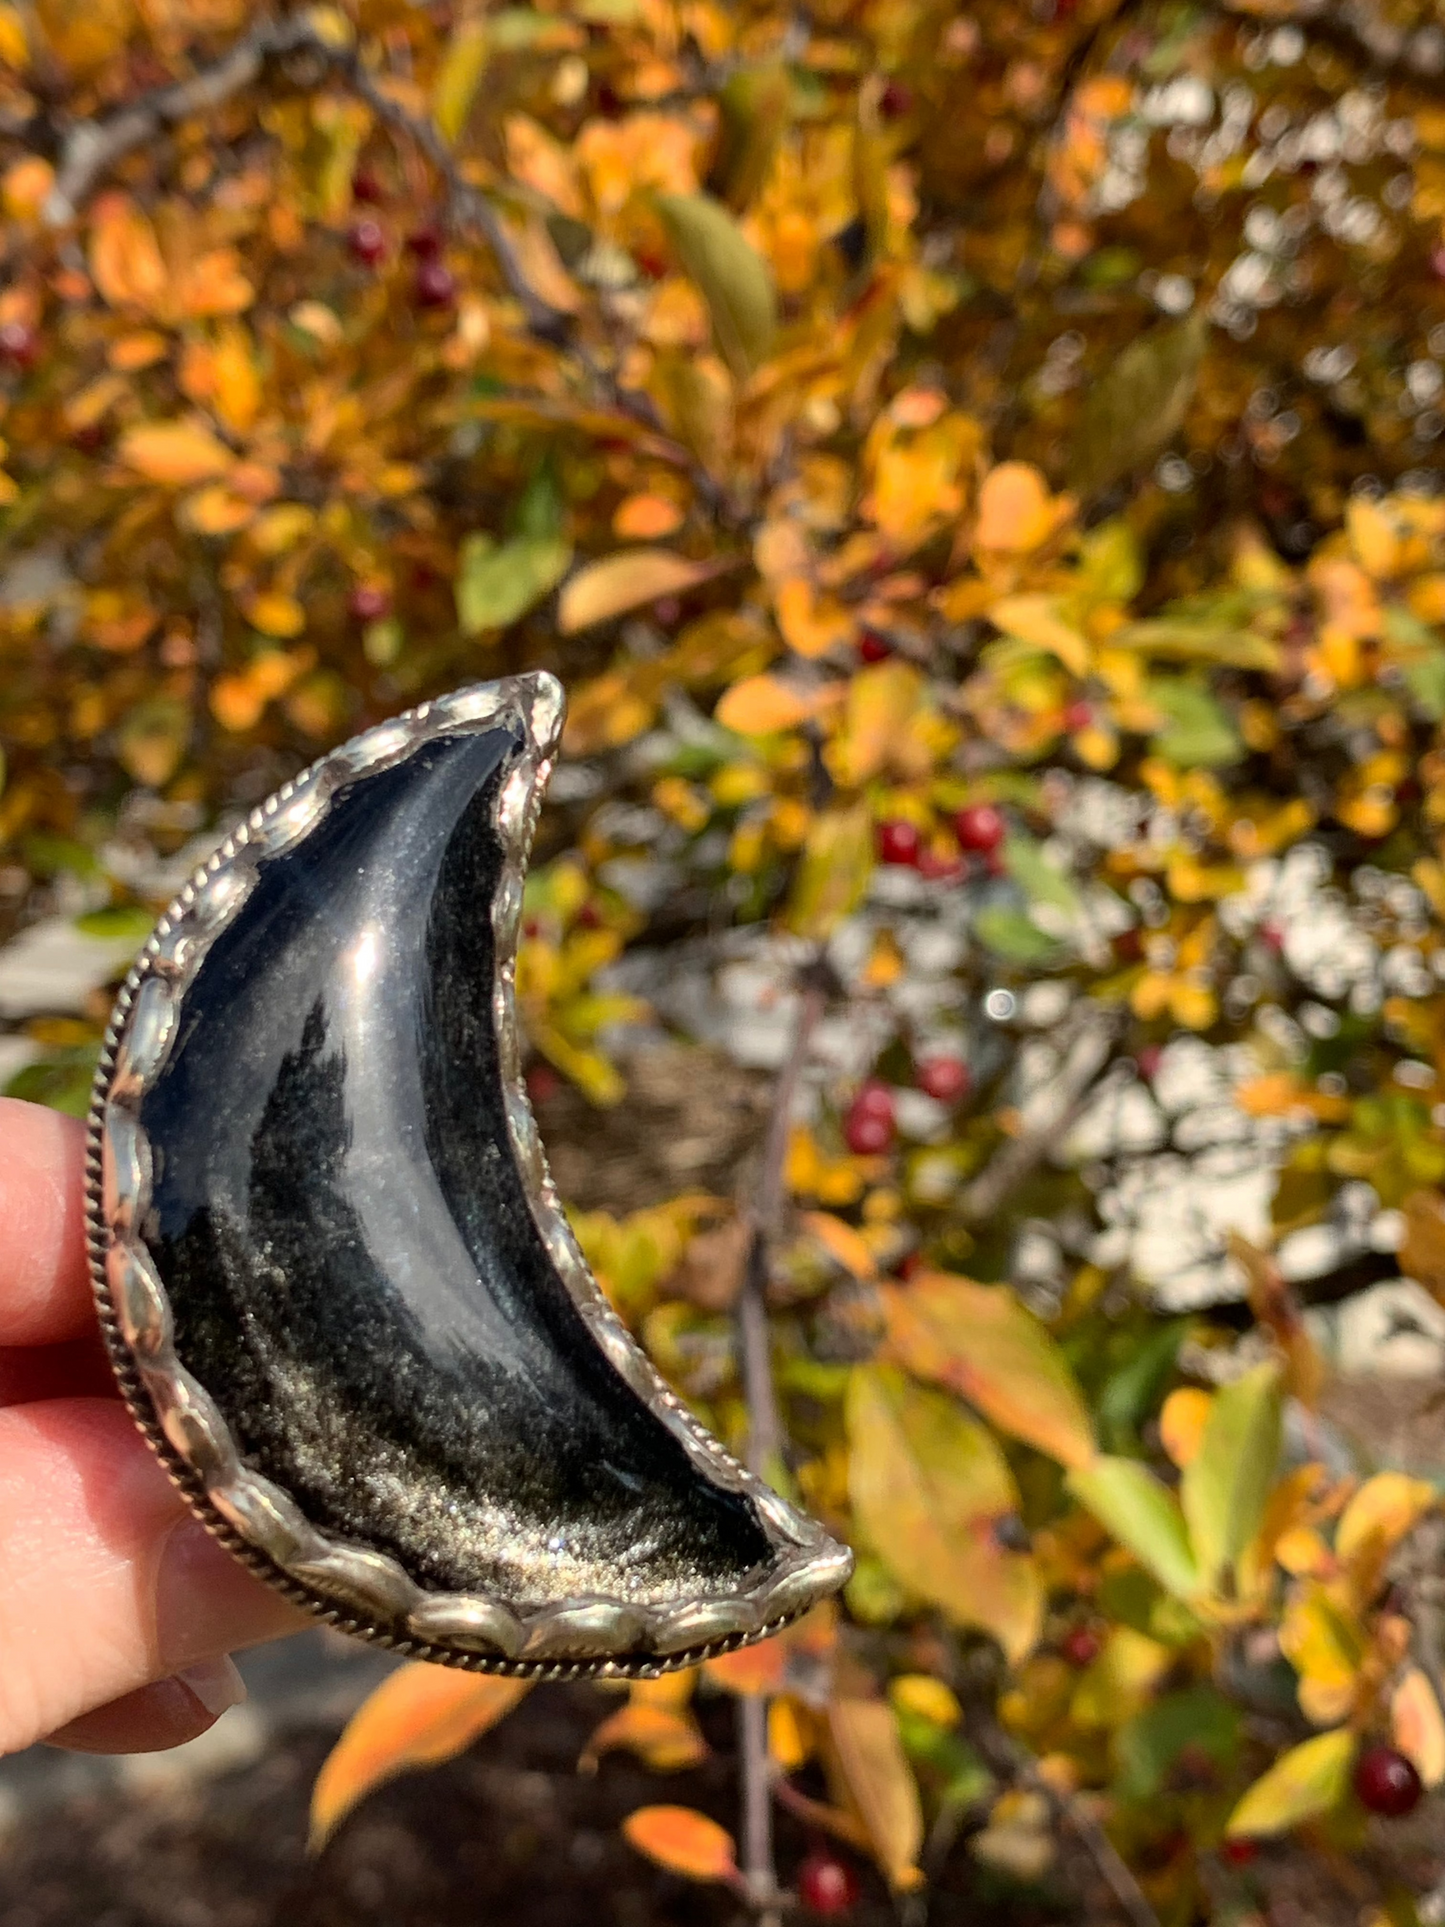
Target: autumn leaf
683,1841
1016,512
418,1717
754,1670
1138,403
979,1341
125,258
1308,1781
931,1490
877,1784
730,274
1418,1725
1227,1481
654,1724
762,705
643,518
833,872
175,453
626,581
1143,1515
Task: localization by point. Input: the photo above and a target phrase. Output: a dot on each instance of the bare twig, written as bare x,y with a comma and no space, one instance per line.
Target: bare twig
1015,1764
765,1437
1073,1091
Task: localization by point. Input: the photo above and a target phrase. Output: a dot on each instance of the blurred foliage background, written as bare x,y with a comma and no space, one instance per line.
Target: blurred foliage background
977,474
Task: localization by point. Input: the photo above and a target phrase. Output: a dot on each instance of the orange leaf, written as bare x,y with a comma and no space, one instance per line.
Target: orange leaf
1182,1421
1016,512
811,624
867,1755
419,1716
175,453
842,1242
667,1741
125,257
980,1341
642,518
753,1670
274,614
1419,1726
621,582
762,705
684,1841
213,285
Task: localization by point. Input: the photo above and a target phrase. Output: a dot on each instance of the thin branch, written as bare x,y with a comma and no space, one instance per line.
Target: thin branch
765,1435
1011,1760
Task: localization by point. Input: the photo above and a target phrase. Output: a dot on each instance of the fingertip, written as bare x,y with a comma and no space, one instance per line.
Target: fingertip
155,1718
45,1296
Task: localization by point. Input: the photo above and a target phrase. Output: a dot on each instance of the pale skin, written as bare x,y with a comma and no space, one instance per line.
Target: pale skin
118,1612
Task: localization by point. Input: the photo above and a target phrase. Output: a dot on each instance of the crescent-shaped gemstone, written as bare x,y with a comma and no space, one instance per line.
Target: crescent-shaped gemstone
337,1285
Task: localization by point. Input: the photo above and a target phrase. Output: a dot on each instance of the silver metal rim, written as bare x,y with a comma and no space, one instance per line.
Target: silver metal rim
361,1591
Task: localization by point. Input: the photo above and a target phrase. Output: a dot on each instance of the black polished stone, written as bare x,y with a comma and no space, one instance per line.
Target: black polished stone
340,1222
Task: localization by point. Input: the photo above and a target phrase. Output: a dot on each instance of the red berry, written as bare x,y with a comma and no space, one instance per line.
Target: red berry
938,867
369,602
1239,1852
366,187
944,1078
826,1883
873,647
19,343
1272,937
367,241
868,1127
1148,1057
1129,946
1078,715
435,285
980,827
895,101
589,917
425,242
1386,1782
899,842
1082,1646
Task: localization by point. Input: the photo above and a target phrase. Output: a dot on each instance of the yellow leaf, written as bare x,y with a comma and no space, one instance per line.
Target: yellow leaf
763,705
1418,1726
1182,1422
927,1697
882,701
790,1737
14,47
132,352
212,285
730,274
1379,1515
175,453
27,182
1016,512
833,873
931,1490
867,1756
1309,1780
125,258
460,74
682,1840
643,518
980,1342
811,624
662,1737
1120,1680
417,1717
1323,1641
621,582
275,615
1035,619
216,511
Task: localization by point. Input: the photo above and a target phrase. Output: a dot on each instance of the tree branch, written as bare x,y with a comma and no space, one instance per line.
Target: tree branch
765,1434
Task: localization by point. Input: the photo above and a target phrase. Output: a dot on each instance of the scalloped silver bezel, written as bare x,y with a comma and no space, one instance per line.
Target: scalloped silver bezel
360,1591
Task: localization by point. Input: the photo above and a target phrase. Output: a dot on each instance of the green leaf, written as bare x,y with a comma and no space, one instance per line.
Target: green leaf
127,923
1133,1389
1309,1780
756,104
1227,1483
1199,734
833,872
497,584
930,1490
1175,640
1146,1749
1037,877
1136,405
63,1082
730,274
460,75
1011,934
1109,561
1143,1515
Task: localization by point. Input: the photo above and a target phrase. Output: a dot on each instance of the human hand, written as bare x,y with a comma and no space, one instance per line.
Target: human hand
117,1608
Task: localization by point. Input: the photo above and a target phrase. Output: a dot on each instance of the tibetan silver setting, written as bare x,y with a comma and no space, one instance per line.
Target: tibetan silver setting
362,1591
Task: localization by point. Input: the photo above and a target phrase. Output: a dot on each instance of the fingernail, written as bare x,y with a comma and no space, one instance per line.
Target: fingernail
206,1600
215,1683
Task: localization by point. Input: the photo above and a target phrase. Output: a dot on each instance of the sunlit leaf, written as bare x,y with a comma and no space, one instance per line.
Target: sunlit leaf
498,583
761,705
176,453
1418,1725
682,1840
833,873
1227,1481
618,583
1143,1515
981,1342
931,1490
417,1717
1303,1784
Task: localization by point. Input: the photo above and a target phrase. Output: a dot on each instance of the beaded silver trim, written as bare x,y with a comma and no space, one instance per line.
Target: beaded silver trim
360,1591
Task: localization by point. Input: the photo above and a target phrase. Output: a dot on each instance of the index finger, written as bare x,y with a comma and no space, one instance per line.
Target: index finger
45,1295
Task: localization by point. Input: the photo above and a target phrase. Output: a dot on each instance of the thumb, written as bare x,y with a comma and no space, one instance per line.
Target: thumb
111,1586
